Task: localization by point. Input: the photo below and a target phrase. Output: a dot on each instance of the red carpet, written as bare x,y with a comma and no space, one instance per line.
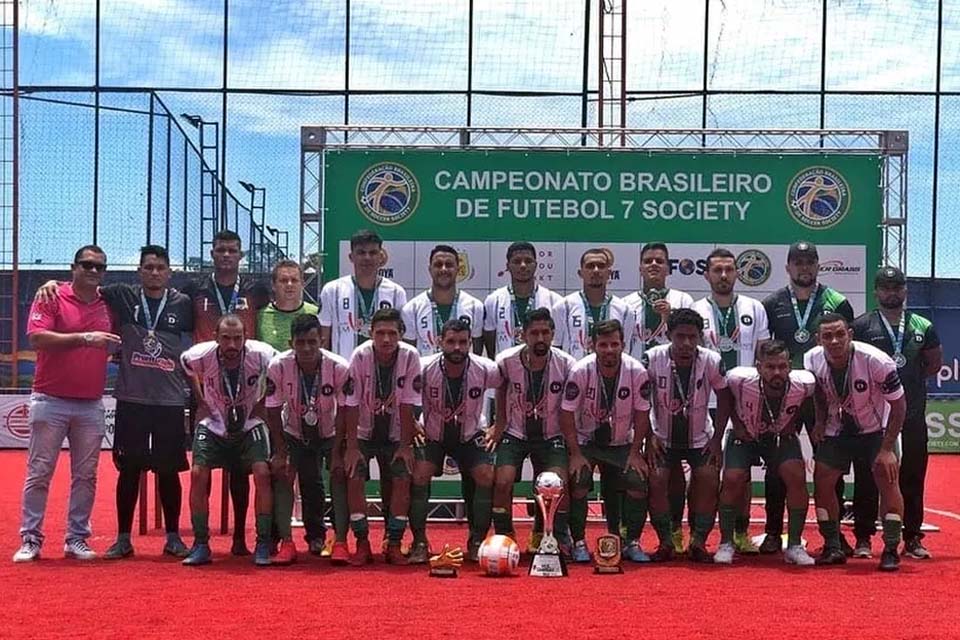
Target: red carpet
152,596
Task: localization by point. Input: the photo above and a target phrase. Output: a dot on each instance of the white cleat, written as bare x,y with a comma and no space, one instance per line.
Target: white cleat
798,555
724,553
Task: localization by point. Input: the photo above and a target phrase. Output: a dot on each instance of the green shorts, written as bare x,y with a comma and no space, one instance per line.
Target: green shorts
612,457
838,452
773,451
696,457
383,451
467,454
237,453
549,453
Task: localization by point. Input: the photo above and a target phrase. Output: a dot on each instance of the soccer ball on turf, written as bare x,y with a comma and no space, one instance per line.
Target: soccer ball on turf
499,556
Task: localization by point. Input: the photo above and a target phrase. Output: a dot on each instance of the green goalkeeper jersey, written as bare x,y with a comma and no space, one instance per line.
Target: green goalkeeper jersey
273,325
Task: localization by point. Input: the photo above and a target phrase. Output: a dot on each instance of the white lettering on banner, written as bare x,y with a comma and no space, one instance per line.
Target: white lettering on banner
711,210
15,425
695,182
948,373
522,181
940,425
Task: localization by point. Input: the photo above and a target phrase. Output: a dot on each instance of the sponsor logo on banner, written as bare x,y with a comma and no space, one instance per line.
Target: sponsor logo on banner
818,197
17,421
388,193
464,270
753,267
688,266
384,271
839,266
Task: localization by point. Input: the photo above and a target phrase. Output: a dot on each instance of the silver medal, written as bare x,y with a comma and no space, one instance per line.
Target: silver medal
802,336
726,344
310,418
900,360
152,345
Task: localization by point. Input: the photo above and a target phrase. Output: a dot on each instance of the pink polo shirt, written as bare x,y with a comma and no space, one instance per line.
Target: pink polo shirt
79,372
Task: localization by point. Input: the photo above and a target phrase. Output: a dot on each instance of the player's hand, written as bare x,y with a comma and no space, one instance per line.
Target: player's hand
886,464
47,292
818,433
491,439
662,307
714,453
420,435
740,433
101,340
655,453
404,454
578,464
351,460
636,462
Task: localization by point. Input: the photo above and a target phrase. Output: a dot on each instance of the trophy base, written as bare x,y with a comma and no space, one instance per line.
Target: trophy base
548,565
607,569
443,572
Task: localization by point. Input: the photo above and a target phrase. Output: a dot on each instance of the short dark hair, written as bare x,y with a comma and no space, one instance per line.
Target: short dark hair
769,348
286,263
604,252
517,247
680,317
655,246
154,250
538,315
453,324
720,252
228,318
304,323
226,235
832,316
92,248
365,236
387,315
606,327
444,248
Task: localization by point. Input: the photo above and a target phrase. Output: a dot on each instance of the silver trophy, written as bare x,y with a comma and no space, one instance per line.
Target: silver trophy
547,561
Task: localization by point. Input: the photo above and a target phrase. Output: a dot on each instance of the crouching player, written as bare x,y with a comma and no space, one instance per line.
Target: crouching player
767,401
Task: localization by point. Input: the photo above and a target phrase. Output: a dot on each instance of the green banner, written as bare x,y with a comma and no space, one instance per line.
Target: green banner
943,426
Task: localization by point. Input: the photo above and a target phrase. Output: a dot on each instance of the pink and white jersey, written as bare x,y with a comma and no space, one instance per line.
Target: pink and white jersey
340,310
707,375
423,326
480,374
515,376
758,416
361,391
286,390
583,396
201,361
499,313
872,381
573,322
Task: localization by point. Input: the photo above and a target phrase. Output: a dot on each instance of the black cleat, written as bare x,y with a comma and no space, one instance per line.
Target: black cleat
889,561
845,546
771,544
239,547
698,554
831,555
664,553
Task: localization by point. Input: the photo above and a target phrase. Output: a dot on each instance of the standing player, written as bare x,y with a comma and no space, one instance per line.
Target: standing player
733,325
914,345
454,382
608,390
528,404
767,401
306,391
682,375
860,410
793,313
425,315
230,380
378,419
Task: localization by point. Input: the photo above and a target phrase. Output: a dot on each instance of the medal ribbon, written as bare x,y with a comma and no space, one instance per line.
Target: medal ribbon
604,312
364,313
685,398
309,393
381,390
151,322
515,312
454,404
534,408
224,307
723,322
435,312
802,320
895,338
650,318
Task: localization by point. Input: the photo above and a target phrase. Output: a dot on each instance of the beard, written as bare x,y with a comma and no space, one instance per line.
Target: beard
455,357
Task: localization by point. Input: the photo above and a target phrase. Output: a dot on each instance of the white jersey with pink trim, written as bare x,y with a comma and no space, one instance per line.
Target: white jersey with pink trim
422,324
404,384
584,393
340,310
761,417
480,374
289,391
517,379
573,322
872,380
644,334
202,362
499,313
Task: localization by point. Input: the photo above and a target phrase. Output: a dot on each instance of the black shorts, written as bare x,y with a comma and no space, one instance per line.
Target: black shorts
149,437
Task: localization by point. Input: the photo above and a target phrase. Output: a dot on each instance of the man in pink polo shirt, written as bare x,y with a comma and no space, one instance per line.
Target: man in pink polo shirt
73,337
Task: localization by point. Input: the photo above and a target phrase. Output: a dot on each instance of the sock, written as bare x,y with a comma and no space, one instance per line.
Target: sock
201,527
264,526
561,526
418,512
796,518
171,496
240,494
829,529
634,515
502,521
728,520
396,525
742,523
468,489
341,509
702,525
892,526
360,526
578,517
128,490
482,501
611,500
282,508
663,525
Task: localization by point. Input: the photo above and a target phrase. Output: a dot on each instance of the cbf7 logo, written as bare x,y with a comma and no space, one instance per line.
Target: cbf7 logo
753,267
388,193
818,197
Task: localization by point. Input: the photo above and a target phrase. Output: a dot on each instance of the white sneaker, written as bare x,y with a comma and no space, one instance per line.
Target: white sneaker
724,554
78,550
28,551
798,555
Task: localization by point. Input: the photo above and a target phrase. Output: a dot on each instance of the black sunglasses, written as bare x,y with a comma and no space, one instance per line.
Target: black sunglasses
90,265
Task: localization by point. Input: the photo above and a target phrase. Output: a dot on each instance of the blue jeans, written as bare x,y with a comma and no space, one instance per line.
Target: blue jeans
52,419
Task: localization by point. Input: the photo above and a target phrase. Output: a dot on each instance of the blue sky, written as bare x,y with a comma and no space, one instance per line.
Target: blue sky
518,45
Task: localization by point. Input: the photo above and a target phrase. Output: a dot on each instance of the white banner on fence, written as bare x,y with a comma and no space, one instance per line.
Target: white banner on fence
15,422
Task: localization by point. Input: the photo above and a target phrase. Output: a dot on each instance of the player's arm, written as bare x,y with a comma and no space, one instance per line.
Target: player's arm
478,346
568,426
820,410
725,413
641,430
932,352
409,319
500,421
893,393
407,432
42,337
490,343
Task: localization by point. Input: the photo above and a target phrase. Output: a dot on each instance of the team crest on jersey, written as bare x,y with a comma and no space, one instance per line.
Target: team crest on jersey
555,387
475,392
327,390
860,385
417,383
623,393
818,197
918,338
465,320
252,380
572,392
402,380
645,390
386,304
171,318
387,193
746,320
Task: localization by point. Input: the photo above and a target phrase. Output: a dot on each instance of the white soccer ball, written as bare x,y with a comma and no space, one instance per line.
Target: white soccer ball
499,556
